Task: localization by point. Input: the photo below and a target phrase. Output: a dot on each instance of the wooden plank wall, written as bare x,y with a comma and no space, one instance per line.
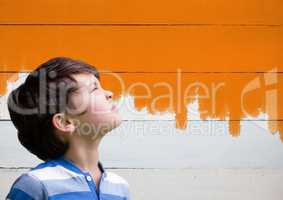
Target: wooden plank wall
226,53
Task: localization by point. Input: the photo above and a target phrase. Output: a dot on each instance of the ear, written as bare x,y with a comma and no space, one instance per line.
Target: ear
62,123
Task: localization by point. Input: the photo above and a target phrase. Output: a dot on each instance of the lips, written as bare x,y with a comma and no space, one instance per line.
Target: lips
113,107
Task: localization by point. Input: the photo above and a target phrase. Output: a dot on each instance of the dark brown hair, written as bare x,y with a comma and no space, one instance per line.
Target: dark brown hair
44,93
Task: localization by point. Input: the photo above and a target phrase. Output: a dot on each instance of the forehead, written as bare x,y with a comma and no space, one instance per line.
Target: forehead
85,79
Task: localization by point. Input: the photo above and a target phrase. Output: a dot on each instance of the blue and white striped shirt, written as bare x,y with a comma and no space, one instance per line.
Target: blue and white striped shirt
60,179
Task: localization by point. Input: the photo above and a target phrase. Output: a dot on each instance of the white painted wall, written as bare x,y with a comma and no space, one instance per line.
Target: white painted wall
201,162
196,184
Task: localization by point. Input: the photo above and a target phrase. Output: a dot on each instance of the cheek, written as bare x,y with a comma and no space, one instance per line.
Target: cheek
100,112
99,105
78,103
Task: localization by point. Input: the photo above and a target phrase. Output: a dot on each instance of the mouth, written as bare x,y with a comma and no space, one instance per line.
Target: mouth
113,107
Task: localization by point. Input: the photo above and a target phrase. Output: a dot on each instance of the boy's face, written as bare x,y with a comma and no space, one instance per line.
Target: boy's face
91,107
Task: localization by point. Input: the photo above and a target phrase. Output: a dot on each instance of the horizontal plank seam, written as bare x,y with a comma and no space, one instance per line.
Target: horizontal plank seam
138,24
155,72
195,120
140,168
163,168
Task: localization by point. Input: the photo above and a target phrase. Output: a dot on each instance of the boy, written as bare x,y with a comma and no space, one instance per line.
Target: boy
61,113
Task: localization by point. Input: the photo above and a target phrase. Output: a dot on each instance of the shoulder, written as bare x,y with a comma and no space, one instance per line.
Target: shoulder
115,185
51,170
29,185
116,179
26,187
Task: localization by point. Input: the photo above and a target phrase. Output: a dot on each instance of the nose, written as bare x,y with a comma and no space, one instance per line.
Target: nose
108,94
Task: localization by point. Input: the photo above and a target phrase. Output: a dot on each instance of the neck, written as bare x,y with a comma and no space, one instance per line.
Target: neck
83,152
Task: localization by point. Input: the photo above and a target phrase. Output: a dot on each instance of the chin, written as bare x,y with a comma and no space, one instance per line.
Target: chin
110,122
116,121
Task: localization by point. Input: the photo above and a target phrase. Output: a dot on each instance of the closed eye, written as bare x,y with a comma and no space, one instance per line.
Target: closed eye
94,87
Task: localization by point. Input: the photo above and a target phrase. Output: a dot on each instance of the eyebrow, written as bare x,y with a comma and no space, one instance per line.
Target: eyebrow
95,82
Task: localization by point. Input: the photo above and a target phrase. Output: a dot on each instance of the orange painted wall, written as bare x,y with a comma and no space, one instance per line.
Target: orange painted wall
209,42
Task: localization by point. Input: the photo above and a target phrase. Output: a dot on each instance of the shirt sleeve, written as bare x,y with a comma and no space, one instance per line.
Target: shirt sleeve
26,187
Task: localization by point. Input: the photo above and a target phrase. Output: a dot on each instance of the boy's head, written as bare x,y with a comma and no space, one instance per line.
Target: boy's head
59,101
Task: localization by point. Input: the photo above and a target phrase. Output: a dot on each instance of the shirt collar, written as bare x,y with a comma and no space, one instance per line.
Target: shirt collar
73,167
